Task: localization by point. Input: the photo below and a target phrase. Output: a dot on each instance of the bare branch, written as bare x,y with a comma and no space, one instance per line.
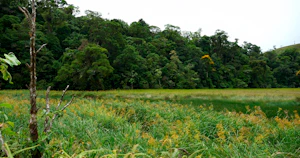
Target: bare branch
68,104
25,11
28,65
41,47
46,124
27,14
47,99
54,116
184,150
62,96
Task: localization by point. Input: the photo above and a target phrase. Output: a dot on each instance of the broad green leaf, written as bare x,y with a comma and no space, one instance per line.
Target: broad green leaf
5,116
11,59
6,75
8,131
11,124
6,105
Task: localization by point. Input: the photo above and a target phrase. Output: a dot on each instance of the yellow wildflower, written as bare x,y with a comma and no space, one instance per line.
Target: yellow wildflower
205,56
151,141
221,131
209,58
167,142
137,131
175,136
283,123
151,151
259,138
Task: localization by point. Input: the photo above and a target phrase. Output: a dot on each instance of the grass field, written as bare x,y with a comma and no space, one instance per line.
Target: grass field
165,123
282,49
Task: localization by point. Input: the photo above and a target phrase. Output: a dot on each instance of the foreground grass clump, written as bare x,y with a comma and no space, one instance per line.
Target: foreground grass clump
127,124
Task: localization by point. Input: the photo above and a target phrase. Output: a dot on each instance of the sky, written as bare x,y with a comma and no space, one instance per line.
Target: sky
266,23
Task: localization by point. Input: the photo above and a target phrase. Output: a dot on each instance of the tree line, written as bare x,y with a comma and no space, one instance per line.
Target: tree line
93,53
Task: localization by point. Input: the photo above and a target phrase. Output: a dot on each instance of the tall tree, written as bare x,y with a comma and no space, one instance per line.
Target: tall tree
154,73
139,29
130,65
87,69
289,65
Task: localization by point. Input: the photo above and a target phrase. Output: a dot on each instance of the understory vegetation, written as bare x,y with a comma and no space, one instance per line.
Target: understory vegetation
154,123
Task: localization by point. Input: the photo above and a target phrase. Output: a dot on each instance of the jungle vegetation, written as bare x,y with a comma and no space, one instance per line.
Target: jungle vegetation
93,53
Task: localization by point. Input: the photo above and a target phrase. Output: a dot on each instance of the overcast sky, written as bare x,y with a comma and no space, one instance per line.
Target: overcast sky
262,22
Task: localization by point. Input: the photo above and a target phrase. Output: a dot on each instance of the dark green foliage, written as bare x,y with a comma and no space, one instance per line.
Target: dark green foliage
289,63
130,65
135,55
85,69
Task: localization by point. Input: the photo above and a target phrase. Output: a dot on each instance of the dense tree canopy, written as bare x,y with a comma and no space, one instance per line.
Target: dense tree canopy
93,53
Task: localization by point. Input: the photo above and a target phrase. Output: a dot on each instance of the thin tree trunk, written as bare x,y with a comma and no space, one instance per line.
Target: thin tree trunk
32,87
31,17
33,125
33,110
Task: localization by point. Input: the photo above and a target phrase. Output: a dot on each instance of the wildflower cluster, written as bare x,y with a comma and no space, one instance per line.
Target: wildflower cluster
209,58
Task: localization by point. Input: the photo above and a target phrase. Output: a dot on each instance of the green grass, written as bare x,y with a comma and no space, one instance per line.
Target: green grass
268,107
162,123
282,49
270,100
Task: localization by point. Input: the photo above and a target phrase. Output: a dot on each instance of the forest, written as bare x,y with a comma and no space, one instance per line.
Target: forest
93,53
178,105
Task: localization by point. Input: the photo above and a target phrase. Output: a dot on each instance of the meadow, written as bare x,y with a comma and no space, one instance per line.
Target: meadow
163,123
